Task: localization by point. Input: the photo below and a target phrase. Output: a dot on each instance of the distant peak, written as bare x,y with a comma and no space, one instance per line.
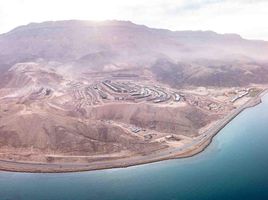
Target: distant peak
121,23
77,23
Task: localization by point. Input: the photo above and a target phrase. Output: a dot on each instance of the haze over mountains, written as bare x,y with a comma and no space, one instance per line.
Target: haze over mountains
178,58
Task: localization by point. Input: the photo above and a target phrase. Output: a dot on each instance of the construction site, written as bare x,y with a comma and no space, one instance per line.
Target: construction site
107,114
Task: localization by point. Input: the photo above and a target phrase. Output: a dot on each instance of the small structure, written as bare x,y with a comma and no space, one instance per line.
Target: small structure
135,129
177,97
102,94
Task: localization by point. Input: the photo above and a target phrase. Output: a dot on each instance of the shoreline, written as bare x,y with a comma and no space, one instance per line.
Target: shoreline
198,146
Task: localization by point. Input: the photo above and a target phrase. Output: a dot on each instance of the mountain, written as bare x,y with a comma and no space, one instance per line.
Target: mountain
178,58
114,91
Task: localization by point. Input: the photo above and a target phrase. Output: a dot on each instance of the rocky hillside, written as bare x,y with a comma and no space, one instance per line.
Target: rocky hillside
177,58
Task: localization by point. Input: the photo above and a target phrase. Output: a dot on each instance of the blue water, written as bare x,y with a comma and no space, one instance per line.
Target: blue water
234,166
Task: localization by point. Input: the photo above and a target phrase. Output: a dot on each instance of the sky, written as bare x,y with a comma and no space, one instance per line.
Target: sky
245,17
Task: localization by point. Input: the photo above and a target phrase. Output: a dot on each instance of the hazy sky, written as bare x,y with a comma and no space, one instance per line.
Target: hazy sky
245,17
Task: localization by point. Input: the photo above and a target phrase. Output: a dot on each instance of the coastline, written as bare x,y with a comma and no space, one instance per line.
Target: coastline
198,146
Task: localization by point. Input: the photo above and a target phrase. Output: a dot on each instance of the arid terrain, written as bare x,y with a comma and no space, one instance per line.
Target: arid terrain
96,95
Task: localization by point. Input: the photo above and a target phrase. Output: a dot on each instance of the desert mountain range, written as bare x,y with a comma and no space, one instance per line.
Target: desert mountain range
175,57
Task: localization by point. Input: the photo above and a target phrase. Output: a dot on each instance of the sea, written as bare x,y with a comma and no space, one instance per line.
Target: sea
234,166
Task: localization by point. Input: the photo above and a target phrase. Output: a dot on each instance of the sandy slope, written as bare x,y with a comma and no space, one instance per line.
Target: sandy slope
197,146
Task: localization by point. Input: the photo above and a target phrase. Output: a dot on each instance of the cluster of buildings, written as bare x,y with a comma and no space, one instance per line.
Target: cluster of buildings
104,91
129,91
240,94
